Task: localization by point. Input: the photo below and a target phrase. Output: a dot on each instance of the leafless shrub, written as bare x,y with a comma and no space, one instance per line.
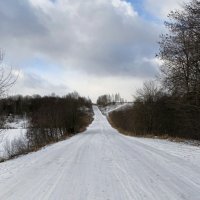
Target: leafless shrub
16,147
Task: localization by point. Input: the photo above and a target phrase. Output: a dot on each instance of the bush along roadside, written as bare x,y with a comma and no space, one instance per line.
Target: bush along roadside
162,116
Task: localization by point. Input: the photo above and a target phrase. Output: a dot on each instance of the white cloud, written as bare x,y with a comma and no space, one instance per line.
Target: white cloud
162,8
125,7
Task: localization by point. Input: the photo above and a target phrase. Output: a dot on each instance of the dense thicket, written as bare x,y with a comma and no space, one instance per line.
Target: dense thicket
50,118
174,108
57,118
19,105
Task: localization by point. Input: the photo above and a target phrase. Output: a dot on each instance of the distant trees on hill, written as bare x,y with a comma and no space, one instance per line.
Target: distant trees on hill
106,99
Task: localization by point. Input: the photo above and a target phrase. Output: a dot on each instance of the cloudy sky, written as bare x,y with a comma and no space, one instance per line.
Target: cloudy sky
91,46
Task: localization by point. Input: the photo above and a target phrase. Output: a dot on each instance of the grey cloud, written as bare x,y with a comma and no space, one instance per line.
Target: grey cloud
35,84
18,19
94,36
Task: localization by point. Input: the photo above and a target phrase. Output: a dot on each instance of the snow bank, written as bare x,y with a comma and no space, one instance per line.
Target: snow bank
14,130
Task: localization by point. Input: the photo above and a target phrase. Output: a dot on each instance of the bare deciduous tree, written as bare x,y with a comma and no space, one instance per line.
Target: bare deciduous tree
149,92
180,51
7,78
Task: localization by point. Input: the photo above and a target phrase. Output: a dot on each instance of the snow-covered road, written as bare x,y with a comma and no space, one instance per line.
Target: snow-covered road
101,164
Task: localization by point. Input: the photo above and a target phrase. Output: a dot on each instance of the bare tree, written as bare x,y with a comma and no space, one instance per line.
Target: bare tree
149,93
7,78
180,51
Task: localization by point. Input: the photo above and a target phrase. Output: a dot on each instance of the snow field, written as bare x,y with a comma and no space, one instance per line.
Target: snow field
101,164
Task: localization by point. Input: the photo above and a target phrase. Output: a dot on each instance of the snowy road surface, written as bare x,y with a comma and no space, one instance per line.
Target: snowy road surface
101,164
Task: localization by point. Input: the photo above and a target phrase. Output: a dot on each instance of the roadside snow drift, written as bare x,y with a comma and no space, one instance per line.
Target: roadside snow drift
101,164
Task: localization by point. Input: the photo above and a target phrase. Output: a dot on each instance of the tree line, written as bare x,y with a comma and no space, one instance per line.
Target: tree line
50,118
172,106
